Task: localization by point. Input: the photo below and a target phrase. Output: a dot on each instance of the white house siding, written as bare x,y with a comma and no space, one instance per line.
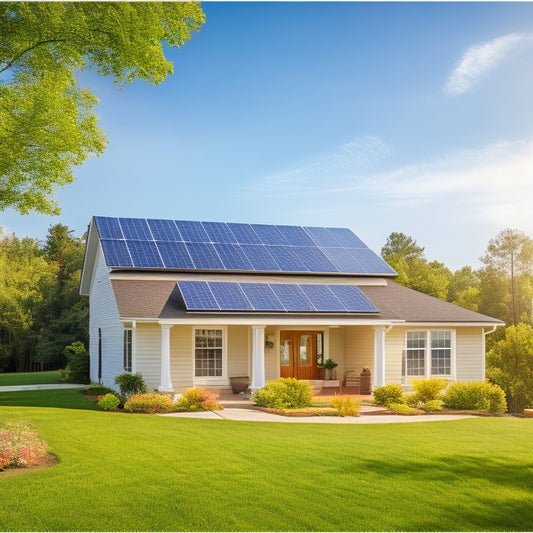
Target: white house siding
394,347
148,353
334,340
103,314
238,351
271,354
181,357
358,347
469,354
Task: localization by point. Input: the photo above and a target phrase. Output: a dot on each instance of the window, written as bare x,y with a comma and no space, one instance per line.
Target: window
128,335
428,353
441,353
208,352
415,354
320,348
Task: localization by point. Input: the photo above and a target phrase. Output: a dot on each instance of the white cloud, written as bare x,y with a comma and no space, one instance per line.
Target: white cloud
480,59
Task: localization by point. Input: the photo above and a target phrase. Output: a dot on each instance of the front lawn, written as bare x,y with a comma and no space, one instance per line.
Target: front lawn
30,378
126,472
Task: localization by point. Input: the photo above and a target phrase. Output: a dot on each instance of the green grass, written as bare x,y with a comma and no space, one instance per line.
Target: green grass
30,378
62,398
125,472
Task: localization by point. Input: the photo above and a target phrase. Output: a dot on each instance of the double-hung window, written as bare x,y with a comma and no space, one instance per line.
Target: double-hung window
208,353
128,349
428,353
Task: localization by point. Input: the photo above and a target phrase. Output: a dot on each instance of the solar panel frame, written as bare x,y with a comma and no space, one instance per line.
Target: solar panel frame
135,229
164,230
229,296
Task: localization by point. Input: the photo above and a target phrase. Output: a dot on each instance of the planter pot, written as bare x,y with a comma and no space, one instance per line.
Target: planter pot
330,373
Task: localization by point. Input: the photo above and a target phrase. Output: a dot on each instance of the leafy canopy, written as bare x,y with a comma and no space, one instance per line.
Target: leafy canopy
47,123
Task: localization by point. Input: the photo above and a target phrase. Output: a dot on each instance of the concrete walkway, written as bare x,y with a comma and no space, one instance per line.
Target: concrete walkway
42,386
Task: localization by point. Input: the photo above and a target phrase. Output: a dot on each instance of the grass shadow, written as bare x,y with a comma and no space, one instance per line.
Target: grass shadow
60,398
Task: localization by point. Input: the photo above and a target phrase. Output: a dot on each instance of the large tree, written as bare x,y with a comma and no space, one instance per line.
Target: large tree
47,122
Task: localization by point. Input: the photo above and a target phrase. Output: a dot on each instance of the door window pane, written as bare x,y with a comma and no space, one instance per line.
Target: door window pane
305,350
284,356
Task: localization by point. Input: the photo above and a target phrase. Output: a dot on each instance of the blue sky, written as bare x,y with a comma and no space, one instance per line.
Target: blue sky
380,117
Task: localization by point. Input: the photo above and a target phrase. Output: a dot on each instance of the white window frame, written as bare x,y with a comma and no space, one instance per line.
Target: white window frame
211,380
127,331
428,354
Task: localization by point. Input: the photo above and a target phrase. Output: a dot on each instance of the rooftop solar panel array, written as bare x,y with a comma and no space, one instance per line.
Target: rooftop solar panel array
206,296
219,246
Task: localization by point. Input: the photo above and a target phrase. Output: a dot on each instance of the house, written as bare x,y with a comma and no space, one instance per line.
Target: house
197,303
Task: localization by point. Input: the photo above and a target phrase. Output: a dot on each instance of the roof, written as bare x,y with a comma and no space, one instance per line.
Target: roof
189,246
161,299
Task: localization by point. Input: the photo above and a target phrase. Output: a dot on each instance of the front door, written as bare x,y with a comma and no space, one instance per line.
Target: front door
298,354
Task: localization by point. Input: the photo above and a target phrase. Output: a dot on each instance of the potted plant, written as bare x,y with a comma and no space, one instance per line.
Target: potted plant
330,365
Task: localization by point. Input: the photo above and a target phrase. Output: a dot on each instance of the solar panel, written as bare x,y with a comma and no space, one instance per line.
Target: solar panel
175,255
262,297
198,296
292,297
287,259
116,253
219,232
346,238
233,257
244,234
259,257
314,259
322,237
269,234
322,298
144,254
353,299
135,229
108,228
370,262
343,260
164,230
229,296
192,231
296,236
204,256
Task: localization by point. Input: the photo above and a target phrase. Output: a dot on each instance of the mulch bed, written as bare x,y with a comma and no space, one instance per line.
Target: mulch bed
46,462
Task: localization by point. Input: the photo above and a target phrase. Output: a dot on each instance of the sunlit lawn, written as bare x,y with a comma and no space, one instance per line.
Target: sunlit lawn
29,378
143,472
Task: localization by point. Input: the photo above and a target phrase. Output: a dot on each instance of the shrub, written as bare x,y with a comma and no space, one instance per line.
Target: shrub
77,369
131,384
197,399
477,396
402,409
108,402
97,390
412,400
346,406
285,393
20,445
388,394
428,389
150,402
432,406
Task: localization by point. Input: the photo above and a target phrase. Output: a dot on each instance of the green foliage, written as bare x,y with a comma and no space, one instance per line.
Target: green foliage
96,389
77,369
197,399
48,121
284,393
388,394
150,402
20,445
475,395
428,389
510,365
346,406
131,384
108,402
401,409
330,364
433,406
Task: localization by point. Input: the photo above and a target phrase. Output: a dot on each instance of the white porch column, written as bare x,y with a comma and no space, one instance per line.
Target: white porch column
258,357
379,356
166,384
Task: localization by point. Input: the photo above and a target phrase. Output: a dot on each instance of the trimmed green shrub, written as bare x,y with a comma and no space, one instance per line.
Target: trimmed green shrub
346,406
285,393
432,406
150,402
475,395
77,369
130,385
197,399
97,390
428,389
108,402
401,409
388,394
412,400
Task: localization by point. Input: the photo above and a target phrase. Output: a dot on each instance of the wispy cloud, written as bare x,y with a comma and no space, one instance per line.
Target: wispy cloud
480,59
331,170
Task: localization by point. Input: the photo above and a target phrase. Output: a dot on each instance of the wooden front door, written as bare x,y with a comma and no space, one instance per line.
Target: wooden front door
298,354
